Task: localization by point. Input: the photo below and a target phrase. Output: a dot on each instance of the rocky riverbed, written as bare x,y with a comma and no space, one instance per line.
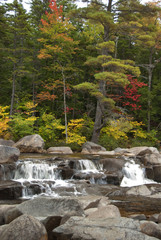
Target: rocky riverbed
93,195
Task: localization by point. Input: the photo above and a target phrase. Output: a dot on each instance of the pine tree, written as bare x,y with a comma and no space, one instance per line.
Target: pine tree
111,70
19,52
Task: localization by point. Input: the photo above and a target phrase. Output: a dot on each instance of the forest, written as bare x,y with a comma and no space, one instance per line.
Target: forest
75,74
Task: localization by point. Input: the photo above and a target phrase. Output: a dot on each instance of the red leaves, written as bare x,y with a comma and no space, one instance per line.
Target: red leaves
130,95
55,15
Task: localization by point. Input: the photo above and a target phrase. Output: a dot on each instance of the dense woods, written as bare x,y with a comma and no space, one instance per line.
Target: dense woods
76,74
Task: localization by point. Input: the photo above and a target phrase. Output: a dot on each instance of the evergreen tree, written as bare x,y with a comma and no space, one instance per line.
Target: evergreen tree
19,52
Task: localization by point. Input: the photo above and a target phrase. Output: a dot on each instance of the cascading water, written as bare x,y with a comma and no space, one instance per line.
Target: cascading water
134,175
45,178
85,165
37,171
89,170
36,175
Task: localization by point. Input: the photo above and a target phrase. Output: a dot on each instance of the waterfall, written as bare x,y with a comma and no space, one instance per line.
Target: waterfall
36,171
134,175
85,165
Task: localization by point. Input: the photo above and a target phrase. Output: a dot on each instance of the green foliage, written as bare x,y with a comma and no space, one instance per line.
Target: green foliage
50,129
125,132
21,126
94,50
106,46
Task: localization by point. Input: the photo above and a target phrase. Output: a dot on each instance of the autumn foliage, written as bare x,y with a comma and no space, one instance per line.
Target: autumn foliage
131,97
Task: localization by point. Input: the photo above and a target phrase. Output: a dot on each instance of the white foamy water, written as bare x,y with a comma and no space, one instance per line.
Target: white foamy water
47,179
85,165
36,171
134,175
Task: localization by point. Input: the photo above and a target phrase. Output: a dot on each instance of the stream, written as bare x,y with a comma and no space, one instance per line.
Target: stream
66,176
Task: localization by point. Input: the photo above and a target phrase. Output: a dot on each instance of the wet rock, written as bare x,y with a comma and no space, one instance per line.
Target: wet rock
9,143
60,150
151,229
7,171
107,228
112,164
30,144
157,173
139,217
10,190
8,154
92,148
113,178
24,227
98,178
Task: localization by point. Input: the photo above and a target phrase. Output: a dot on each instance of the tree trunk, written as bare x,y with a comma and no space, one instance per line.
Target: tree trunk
149,98
150,72
65,106
99,121
13,89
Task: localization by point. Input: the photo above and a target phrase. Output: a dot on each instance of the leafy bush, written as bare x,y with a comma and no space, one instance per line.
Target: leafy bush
4,122
125,132
21,126
50,129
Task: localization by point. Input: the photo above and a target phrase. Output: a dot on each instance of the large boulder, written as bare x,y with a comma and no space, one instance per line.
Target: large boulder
9,143
151,229
24,227
136,151
8,154
109,211
31,144
151,159
92,148
59,150
112,164
108,228
43,207
141,151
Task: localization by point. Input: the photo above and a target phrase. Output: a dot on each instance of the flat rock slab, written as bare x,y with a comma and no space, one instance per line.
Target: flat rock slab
106,229
44,207
60,150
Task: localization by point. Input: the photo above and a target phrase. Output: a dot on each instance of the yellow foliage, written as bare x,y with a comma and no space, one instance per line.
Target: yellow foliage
74,131
30,107
4,120
120,128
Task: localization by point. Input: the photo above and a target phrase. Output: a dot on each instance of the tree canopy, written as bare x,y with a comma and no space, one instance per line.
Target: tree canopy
75,74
